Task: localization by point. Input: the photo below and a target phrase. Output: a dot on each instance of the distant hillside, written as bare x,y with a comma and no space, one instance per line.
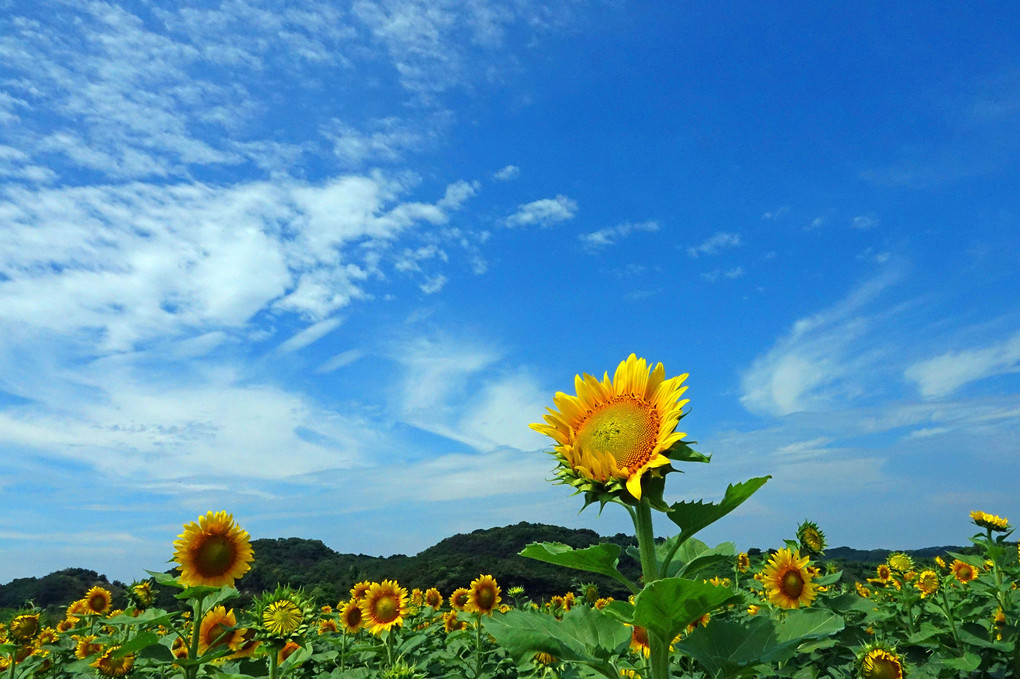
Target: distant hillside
453,562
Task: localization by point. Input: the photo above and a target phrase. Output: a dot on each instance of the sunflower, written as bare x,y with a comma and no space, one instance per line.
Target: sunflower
217,630
213,552
351,617
927,582
77,609
287,651
615,430
787,580
383,606
862,590
433,598
743,562
282,618
812,539
876,662
24,627
328,626
484,596
639,640
86,646
459,598
284,613
97,601
358,591
898,561
963,571
141,594
990,521
110,664
451,623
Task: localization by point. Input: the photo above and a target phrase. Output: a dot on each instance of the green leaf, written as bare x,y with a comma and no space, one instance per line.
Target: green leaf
681,451
693,516
828,579
601,558
166,579
968,663
137,643
157,652
694,556
152,616
666,607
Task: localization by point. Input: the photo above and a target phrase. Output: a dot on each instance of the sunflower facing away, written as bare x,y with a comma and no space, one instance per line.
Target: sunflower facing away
483,595
811,538
383,606
213,552
615,430
787,580
990,521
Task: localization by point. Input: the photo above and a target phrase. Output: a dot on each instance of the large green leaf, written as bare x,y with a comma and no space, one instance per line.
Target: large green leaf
666,607
583,635
693,516
601,558
731,649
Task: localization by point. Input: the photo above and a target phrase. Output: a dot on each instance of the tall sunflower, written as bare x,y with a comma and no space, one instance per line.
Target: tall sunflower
98,601
990,521
351,616
811,538
383,606
483,595
963,571
214,552
284,614
787,580
459,598
615,430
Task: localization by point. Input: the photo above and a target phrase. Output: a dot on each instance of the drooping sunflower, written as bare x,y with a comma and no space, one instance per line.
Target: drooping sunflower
811,538
615,430
383,606
876,662
787,580
639,640
213,552
141,594
98,601
927,582
351,617
287,651
743,562
217,629
990,521
24,627
433,598
963,571
86,646
328,626
483,596
109,664
898,561
459,598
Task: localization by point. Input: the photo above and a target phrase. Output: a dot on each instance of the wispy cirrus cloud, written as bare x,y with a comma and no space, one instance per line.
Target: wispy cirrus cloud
544,212
942,375
603,238
715,244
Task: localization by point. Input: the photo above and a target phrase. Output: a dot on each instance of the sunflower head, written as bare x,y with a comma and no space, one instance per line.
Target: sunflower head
218,629
898,561
351,617
811,538
98,601
141,594
459,598
963,571
384,606
615,431
284,614
433,598
743,562
879,662
112,664
990,521
452,623
213,552
24,627
484,595
927,582
787,580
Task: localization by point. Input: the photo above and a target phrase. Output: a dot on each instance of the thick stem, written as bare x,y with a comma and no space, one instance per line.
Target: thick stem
948,610
658,648
196,633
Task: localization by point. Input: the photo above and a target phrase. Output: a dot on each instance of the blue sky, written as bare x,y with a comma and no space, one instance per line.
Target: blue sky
320,264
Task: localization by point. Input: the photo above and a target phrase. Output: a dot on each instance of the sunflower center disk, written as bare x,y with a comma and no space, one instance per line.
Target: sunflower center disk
625,430
386,609
215,556
793,584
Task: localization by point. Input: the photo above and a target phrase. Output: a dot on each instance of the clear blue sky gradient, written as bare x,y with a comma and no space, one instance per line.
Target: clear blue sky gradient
320,264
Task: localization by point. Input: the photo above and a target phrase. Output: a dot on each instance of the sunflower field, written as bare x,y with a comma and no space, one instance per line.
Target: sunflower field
697,611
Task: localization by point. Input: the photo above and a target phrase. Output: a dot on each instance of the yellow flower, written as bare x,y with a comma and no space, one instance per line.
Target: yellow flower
899,561
433,598
214,552
743,562
217,630
111,666
87,646
615,430
753,609
879,663
383,606
927,582
25,627
990,521
282,618
351,616
862,590
963,571
812,539
459,598
328,626
287,651
787,580
97,601
940,562
483,595
639,641
451,623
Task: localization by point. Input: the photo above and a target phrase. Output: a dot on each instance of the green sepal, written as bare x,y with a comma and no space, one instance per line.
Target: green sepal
601,558
666,607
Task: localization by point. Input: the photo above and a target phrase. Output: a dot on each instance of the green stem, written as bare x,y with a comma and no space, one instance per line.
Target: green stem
948,610
478,644
658,651
196,632
274,665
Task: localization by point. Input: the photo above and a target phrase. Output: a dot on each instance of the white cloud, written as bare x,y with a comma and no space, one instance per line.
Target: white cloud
940,376
507,173
544,212
819,362
716,274
310,335
433,284
341,360
863,222
776,214
714,244
596,240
